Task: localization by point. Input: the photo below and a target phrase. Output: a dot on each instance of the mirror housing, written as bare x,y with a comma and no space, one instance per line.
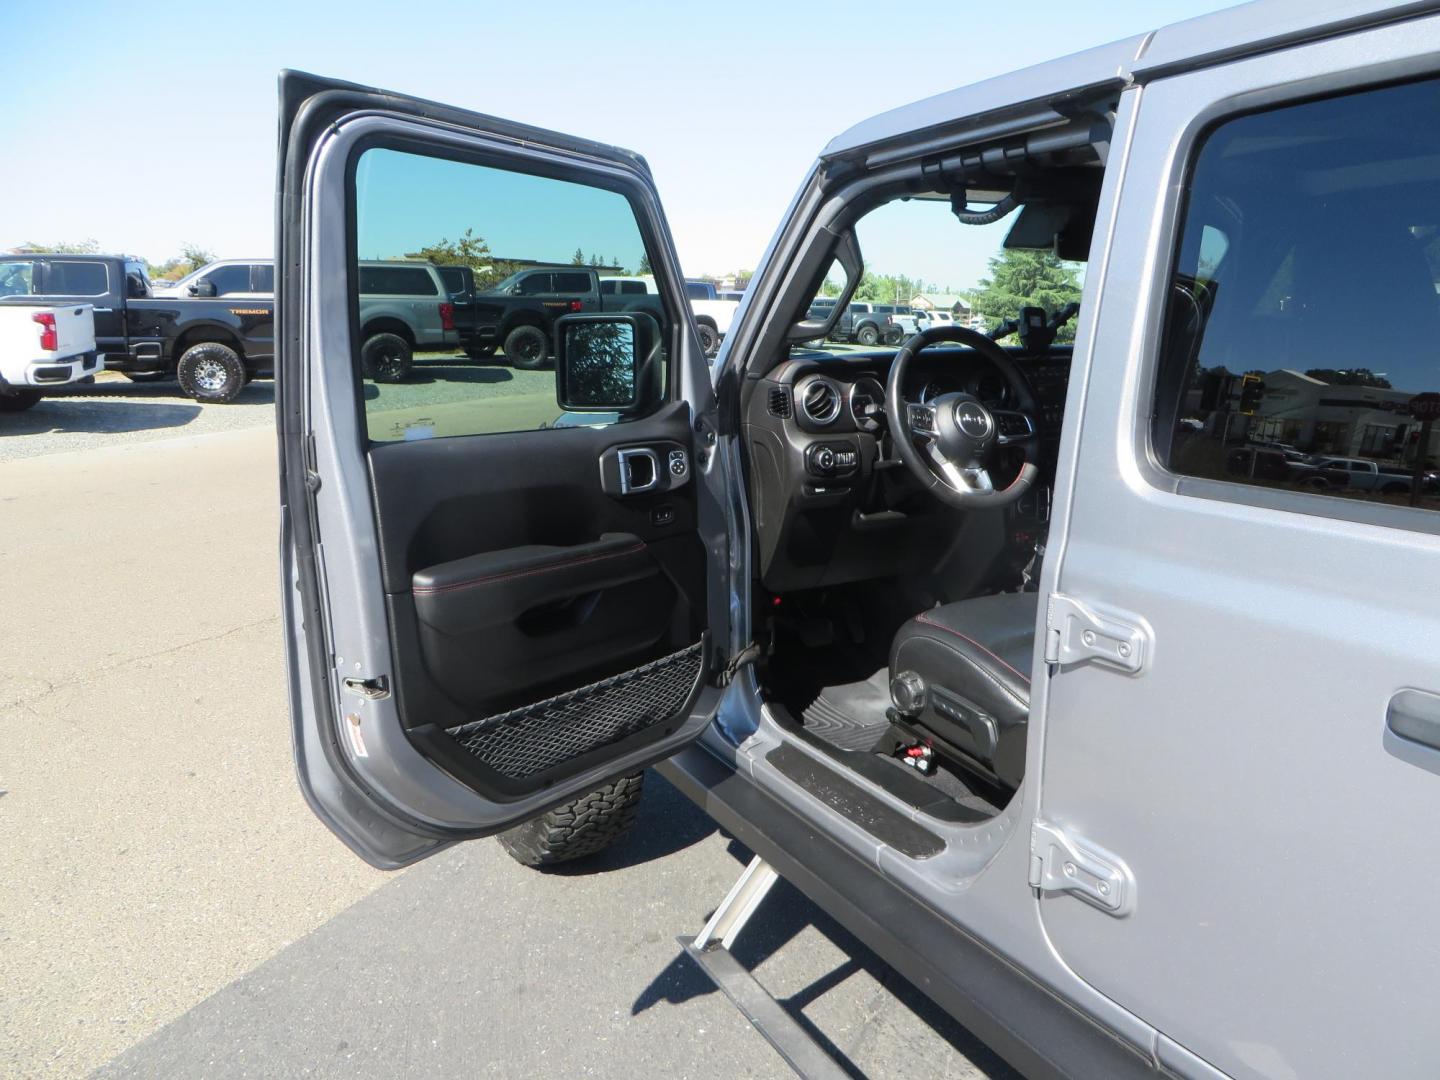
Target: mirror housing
598,362
202,288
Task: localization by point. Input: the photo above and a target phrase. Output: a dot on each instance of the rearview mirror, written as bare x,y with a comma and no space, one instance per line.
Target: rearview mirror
202,288
597,363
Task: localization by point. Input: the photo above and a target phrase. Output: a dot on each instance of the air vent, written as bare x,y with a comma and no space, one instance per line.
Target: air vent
780,403
820,401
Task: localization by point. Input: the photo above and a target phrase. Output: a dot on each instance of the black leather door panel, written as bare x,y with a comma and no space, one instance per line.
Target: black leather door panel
511,575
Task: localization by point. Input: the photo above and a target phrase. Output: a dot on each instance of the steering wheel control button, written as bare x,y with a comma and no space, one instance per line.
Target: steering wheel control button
922,419
830,459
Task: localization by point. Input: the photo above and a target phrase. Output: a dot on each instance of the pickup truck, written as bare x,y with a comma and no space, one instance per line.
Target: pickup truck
42,346
865,323
713,315
1361,474
213,347
518,315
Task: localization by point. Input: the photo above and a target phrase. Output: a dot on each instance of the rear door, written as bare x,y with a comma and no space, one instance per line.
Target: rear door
1242,732
494,603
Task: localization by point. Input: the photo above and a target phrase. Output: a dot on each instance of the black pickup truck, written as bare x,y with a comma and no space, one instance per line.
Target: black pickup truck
518,315
213,347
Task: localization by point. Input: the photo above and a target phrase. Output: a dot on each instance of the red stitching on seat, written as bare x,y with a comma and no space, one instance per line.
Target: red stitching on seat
951,630
428,590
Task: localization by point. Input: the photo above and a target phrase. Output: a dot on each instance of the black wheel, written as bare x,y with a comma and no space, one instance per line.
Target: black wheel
527,348
868,335
709,339
19,399
586,826
145,376
480,352
211,372
386,358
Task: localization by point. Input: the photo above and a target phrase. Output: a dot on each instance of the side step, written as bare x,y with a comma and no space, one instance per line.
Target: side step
711,950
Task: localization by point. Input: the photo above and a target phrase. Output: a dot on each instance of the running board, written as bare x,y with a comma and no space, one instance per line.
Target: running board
710,949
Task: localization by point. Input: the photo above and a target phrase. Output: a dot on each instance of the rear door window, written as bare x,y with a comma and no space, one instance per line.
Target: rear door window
262,278
77,279
1304,307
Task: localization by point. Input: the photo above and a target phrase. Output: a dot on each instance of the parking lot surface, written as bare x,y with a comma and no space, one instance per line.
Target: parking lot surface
169,905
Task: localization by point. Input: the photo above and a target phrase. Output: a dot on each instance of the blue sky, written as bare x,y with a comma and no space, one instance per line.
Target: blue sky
146,125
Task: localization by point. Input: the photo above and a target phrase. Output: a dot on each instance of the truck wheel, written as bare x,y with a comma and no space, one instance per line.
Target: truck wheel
586,826
18,400
480,352
211,372
709,338
386,358
868,335
527,348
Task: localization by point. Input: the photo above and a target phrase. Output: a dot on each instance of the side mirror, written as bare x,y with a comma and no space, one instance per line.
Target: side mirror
202,288
597,364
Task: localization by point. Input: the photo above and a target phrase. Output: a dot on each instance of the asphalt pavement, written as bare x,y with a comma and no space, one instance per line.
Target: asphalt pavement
170,907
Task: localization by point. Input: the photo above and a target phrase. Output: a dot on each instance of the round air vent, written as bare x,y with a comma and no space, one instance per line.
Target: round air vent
819,400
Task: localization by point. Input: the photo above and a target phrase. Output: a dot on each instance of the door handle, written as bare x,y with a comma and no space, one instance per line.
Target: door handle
1415,715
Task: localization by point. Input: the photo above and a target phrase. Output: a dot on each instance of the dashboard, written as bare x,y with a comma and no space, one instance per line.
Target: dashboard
834,504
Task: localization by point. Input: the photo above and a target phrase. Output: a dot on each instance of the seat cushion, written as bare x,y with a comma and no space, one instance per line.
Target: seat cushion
973,658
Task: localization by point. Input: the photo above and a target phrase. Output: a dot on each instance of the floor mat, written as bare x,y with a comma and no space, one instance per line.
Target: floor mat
851,716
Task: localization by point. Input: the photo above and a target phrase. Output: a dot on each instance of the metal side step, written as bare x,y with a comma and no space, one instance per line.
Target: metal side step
711,950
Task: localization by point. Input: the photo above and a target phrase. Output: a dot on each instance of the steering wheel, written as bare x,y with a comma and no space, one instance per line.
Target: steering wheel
950,443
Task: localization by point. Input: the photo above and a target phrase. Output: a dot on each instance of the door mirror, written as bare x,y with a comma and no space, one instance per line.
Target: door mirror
202,288
598,363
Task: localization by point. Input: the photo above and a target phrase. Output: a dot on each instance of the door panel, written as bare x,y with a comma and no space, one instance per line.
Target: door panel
495,620
1245,775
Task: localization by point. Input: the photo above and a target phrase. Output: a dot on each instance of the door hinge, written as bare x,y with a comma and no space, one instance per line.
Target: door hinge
1076,632
374,689
1063,862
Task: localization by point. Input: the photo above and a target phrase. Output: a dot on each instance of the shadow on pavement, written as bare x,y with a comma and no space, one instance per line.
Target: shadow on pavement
451,372
781,917
668,823
59,415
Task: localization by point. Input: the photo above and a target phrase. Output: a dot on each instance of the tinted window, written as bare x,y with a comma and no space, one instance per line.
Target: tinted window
529,241
76,279
229,279
1303,310
697,290
17,277
262,278
454,280
396,281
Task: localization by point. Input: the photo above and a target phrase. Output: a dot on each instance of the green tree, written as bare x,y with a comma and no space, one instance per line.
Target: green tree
578,259
1025,278
63,247
644,267
468,250
194,256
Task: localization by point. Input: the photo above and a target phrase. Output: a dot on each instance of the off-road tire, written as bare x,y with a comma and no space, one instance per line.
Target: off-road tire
709,338
868,335
584,827
211,372
19,399
480,352
386,358
527,348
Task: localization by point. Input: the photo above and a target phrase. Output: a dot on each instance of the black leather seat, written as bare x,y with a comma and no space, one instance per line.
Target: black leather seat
970,663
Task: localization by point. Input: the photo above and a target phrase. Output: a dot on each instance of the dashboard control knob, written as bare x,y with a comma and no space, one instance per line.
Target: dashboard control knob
825,458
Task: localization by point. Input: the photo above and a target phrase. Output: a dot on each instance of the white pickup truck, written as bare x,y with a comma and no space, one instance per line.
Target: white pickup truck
43,346
713,316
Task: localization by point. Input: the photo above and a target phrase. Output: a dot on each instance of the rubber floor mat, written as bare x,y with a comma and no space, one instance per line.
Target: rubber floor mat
851,716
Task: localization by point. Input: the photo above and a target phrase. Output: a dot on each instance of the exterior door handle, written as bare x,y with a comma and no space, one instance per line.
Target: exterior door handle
1415,715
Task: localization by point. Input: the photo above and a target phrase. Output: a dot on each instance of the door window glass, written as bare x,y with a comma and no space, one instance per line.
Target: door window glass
430,368
262,278
77,279
229,279
1304,310
17,277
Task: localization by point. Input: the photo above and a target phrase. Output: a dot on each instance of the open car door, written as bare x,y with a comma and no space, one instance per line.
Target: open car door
501,578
